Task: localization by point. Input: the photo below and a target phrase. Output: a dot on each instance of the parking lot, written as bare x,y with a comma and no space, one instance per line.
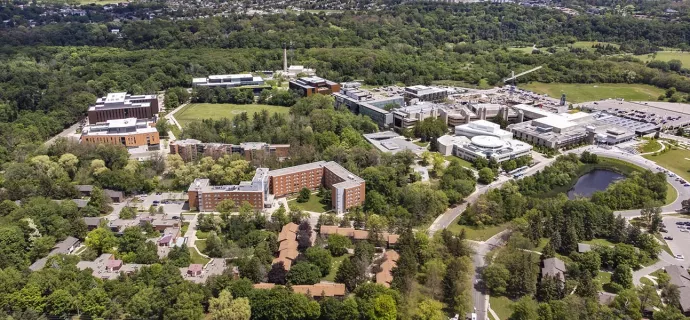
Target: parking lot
650,113
679,244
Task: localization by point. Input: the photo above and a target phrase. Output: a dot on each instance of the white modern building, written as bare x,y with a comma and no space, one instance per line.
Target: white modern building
482,128
488,147
228,81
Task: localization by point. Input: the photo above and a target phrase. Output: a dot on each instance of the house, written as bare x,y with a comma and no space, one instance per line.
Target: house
681,278
325,231
84,189
66,246
107,267
606,298
287,245
583,247
92,222
385,276
322,289
195,269
553,267
116,196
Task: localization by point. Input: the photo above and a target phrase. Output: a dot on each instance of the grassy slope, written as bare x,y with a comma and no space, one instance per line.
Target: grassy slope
200,111
674,160
576,93
683,57
477,234
335,264
197,258
502,306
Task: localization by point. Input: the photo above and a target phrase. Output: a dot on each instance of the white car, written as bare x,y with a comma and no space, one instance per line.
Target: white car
683,230
680,257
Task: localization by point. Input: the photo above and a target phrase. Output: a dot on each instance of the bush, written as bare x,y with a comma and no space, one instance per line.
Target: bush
338,244
304,195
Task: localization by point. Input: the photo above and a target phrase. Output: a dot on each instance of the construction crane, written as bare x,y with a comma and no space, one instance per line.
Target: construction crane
515,76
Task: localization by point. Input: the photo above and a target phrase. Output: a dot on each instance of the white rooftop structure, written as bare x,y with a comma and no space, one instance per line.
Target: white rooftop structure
482,128
228,80
531,112
557,122
488,147
119,126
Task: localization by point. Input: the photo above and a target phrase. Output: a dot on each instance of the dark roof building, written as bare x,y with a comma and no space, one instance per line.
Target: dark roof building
681,278
66,246
313,85
116,196
553,267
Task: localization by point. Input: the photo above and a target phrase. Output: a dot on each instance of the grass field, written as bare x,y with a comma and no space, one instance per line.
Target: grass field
200,244
200,111
196,257
677,161
588,44
462,161
649,146
683,57
599,242
313,204
671,194
502,306
335,264
603,278
477,234
576,92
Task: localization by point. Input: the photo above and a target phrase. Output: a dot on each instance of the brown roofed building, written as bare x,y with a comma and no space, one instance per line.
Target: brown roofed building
312,85
325,231
323,289
385,277
120,105
192,150
348,232
393,239
360,235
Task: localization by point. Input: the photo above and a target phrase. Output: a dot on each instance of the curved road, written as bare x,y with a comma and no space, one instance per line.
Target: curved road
481,300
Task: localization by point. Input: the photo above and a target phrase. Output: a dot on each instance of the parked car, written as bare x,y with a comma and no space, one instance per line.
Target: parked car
680,257
668,238
663,230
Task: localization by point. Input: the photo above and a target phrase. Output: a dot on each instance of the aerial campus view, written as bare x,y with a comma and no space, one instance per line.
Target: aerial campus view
373,159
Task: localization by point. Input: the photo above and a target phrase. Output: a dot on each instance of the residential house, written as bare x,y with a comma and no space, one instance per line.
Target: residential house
553,267
681,278
66,246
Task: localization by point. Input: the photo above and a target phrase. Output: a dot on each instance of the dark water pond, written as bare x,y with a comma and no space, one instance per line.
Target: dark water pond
595,180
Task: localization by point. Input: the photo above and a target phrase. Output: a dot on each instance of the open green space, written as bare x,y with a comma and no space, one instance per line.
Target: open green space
588,44
335,264
603,278
201,235
502,306
677,160
462,161
476,233
578,92
599,242
200,111
200,244
671,194
647,282
650,145
197,258
314,204
667,56
542,244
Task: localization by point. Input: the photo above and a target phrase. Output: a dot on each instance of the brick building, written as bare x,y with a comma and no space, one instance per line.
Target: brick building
206,197
128,132
347,190
192,150
121,105
312,85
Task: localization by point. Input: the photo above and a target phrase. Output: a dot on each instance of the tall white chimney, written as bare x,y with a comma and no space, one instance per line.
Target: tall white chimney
285,67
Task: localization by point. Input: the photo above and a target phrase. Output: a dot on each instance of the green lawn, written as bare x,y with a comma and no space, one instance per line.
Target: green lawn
588,44
527,50
649,146
671,194
335,264
599,242
200,244
677,161
502,306
200,111
647,282
477,234
201,235
683,57
421,144
197,258
576,92
462,161
603,278
542,244
312,205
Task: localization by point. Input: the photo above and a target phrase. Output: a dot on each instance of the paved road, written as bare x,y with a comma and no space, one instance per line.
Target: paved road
64,134
479,298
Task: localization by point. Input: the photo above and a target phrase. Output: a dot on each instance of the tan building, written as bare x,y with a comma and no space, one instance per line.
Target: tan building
312,85
127,132
192,150
120,105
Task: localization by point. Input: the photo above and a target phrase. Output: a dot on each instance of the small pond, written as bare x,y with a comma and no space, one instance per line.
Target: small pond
595,180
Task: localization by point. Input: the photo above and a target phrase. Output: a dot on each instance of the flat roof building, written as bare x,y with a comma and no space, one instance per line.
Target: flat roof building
407,117
228,81
488,147
425,93
129,132
368,103
192,150
312,85
347,190
120,105
389,141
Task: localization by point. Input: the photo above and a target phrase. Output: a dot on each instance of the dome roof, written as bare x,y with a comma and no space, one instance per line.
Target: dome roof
488,142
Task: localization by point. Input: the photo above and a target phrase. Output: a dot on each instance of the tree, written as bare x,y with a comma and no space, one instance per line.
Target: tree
495,278
179,256
385,308
648,296
622,275
668,313
456,285
349,274
429,309
671,295
60,303
162,126
304,273
278,273
226,308
550,288
321,258
280,303
99,200
627,304
524,309
101,240
304,195
214,246
586,287
338,244
486,176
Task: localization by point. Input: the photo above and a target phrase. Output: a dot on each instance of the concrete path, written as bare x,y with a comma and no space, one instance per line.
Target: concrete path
493,314
665,260
170,116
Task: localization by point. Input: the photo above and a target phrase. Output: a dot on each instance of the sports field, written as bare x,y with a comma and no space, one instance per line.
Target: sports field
579,92
683,57
677,161
200,111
